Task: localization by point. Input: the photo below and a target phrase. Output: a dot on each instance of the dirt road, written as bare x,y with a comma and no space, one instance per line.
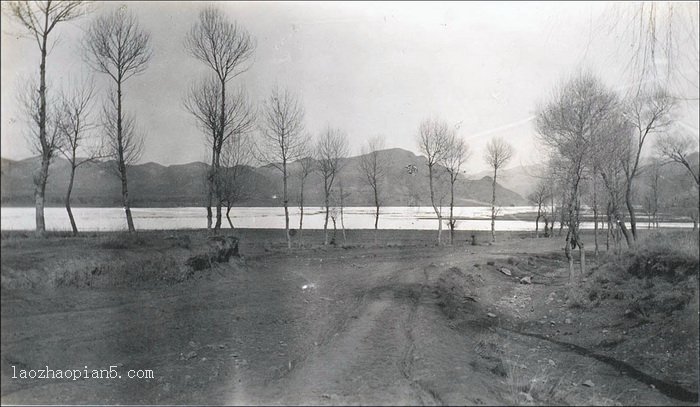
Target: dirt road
394,325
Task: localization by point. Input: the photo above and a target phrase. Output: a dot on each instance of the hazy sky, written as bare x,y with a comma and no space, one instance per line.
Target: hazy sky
366,68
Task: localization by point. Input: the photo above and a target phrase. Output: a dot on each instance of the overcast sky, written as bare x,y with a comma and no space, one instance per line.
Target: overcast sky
366,68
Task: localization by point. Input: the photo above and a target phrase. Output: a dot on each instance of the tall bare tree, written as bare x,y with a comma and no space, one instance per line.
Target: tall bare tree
434,137
203,102
331,148
373,171
116,45
307,166
648,113
224,47
498,153
39,19
75,128
282,139
453,160
567,124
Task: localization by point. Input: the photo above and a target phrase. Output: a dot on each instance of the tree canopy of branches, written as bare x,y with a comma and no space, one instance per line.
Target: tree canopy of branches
453,160
498,153
224,47
567,123
117,46
235,178
647,113
39,19
282,138
75,126
307,165
331,148
434,136
203,102
373,171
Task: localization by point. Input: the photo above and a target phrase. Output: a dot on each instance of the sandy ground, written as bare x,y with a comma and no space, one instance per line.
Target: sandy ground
404,323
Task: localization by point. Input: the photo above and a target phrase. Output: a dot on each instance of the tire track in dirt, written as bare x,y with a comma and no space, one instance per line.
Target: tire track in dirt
425,394
355,356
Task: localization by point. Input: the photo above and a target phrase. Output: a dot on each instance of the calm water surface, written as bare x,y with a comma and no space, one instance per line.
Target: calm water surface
112,219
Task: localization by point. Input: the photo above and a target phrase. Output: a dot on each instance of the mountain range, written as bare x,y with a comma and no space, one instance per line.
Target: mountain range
155,185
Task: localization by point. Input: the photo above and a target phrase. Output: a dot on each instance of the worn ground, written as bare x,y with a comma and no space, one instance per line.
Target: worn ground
401,322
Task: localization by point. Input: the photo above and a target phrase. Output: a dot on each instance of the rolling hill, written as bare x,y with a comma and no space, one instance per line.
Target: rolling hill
155,185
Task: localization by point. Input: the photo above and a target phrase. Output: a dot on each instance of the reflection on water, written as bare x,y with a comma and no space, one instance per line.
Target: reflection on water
111,219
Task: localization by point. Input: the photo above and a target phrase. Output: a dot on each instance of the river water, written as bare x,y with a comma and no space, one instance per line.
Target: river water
112,219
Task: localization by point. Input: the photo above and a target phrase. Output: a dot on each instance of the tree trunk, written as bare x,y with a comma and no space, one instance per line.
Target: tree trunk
286,204
228,217
452,206
493,206
301,213
210,184
68,209
569,257
342,217
219,145
630,209
376,214
435,208
335,231
595,216
328,210
39,194
40,184
209,214
122,164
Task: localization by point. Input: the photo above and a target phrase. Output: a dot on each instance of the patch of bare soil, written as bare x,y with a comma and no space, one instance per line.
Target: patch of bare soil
402,323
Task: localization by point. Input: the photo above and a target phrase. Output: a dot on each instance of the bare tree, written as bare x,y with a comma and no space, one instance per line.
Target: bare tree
453,160
648,113
331,148
567,124
234,178
539,197
498,153
373,171
677,149
38,19
75,126
433,141
307,166
29,100
612,145
282,139
225,48
116,45
203,101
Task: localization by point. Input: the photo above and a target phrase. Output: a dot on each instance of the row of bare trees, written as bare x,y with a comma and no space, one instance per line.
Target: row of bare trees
114,45
597,136
446,151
